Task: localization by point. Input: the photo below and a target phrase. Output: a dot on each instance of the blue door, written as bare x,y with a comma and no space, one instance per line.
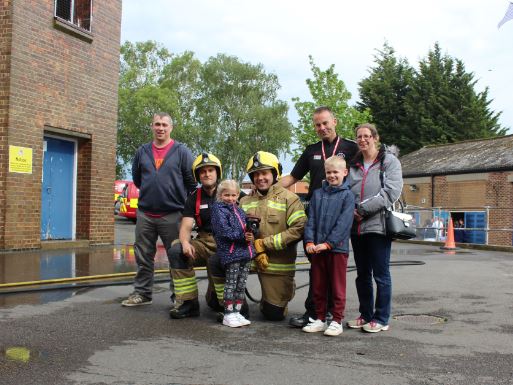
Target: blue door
57,200
475,220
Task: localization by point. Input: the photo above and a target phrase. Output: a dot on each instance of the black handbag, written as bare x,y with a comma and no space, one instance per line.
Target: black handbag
398,224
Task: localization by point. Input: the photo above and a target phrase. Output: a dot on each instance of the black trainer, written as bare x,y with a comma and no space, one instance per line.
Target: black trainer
186,309
299,321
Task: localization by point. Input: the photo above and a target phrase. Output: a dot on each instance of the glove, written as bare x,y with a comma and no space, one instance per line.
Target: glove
259,246
261,260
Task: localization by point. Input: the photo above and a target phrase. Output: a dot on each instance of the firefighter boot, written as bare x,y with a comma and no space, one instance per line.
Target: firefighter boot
189,308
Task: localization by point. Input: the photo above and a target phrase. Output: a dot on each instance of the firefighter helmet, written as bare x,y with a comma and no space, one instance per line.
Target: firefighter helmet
206,159
264,161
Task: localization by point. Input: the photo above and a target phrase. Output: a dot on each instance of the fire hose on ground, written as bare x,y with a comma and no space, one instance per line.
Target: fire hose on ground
115,279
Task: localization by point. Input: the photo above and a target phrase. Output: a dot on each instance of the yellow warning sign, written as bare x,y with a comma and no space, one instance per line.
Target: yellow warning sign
20,159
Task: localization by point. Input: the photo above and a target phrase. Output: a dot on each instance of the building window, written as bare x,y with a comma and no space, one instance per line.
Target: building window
76,12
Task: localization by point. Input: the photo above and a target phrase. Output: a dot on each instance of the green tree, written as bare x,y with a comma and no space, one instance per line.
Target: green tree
443,105
326,89
238,113
140,96
384,92
223,106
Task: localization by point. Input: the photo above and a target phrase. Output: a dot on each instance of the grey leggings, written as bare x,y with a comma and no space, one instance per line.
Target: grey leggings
236,277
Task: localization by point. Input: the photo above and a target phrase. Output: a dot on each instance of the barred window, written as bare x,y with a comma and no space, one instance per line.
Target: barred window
77,12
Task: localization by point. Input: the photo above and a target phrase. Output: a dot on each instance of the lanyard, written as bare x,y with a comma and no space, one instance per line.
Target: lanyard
334,148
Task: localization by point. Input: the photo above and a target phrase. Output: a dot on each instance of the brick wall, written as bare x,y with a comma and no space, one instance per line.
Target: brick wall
5,64
61,80
499,196
470,191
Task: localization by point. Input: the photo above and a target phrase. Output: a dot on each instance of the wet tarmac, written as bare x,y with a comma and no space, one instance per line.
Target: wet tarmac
451,324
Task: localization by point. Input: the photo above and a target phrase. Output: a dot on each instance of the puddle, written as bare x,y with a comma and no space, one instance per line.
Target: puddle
34,266
58,266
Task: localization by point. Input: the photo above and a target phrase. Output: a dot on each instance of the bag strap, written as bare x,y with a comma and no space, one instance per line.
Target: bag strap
381,178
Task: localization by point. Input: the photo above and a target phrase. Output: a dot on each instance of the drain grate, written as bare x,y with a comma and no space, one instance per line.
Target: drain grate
425,319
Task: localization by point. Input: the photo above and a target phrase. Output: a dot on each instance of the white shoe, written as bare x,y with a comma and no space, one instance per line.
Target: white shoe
315,326
334,329
231,320
374,327
243,320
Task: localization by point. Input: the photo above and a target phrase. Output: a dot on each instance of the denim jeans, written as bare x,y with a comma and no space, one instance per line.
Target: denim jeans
372,258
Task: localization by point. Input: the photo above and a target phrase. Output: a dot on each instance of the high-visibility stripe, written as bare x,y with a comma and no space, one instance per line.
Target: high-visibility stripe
277,242
185,285
250,205
277,206
219,288
281,267
134,203
295,215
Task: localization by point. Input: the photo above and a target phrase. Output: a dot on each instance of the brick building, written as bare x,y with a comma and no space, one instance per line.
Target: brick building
59,64
472,180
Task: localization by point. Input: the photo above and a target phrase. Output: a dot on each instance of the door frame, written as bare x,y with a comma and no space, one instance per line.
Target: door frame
74,182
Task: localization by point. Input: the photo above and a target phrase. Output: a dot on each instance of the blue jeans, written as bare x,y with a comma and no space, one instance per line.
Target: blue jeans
372,258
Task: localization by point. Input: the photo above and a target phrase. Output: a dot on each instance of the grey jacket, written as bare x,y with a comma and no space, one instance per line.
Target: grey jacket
371,199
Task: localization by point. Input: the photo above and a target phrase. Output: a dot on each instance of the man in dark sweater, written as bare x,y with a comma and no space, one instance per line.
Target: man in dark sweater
312,161
162,171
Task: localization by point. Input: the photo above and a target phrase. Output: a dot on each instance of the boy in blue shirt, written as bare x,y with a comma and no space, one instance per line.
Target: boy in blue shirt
326,239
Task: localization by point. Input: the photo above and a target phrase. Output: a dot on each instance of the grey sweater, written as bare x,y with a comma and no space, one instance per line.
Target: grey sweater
371,199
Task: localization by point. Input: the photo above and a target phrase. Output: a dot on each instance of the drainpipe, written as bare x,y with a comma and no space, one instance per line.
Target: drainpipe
432,191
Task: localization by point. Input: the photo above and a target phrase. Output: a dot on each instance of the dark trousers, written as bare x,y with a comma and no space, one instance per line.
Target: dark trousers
147,231
329,273
372,258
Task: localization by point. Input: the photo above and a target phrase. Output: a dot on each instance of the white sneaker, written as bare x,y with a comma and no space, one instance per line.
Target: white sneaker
315,326
374,327
231,320
334,329
243,320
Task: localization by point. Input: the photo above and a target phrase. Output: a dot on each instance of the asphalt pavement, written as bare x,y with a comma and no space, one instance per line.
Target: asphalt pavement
452,324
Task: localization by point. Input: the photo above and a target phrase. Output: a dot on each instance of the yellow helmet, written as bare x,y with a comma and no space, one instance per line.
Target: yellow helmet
264,161
206,159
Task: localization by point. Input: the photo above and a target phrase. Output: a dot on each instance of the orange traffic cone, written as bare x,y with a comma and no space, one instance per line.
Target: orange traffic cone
449,241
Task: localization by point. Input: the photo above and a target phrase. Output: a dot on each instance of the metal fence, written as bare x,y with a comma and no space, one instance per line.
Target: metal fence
479,225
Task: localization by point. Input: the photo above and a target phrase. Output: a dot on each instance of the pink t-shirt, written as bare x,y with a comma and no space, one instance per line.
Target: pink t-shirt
160,153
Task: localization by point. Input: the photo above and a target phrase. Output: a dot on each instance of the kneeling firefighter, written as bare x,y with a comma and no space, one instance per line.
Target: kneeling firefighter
282,220
185,252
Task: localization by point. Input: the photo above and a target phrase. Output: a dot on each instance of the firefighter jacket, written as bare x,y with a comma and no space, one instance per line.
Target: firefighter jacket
282,221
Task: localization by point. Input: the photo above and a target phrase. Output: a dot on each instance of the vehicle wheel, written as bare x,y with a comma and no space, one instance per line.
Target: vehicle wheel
116,208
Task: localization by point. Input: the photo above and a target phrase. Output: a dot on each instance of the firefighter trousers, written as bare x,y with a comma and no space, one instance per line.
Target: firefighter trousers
182,271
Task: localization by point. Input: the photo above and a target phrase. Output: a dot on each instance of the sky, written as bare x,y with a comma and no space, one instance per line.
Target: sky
280,34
